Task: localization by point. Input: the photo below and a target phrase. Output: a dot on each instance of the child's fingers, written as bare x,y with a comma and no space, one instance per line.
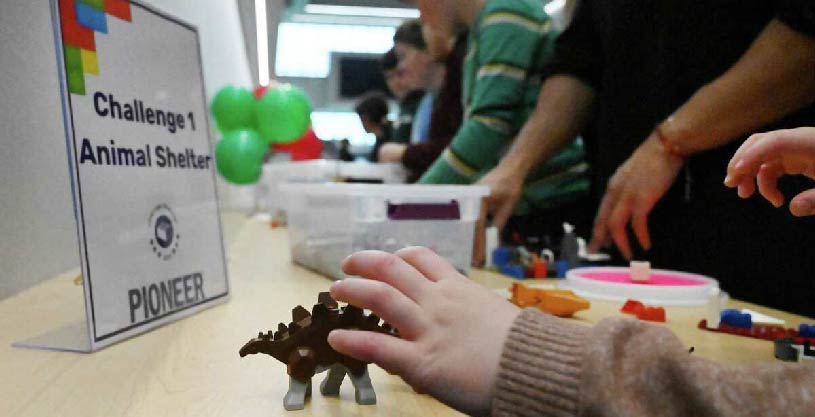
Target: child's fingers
767,180
394,355
388,268
803,204
384,301
774,146
734,175
430,264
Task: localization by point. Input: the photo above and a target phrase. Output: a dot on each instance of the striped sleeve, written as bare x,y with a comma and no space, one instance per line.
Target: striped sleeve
507,47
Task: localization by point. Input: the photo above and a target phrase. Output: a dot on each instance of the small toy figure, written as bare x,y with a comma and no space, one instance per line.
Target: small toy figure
561,303
303,347
569,247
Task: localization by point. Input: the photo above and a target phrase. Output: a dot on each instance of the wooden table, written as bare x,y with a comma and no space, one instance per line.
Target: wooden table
192,367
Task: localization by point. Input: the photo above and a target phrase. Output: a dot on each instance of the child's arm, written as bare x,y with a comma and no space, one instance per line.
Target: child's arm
764,158
453,333
508,46
623,367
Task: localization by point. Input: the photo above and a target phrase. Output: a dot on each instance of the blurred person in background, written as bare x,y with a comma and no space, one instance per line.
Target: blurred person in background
372,109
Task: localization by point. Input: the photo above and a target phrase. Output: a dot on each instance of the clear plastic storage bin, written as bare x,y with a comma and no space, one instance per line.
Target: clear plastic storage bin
269,197
328,222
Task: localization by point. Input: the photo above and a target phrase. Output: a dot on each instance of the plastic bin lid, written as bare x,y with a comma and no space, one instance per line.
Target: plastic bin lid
401,190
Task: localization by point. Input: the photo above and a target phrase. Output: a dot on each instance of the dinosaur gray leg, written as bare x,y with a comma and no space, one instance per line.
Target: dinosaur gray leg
295,399
365,394
331,383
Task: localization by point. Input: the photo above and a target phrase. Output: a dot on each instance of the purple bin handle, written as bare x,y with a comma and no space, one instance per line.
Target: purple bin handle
424,211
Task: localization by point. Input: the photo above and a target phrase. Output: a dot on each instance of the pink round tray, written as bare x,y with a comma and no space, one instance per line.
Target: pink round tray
664,288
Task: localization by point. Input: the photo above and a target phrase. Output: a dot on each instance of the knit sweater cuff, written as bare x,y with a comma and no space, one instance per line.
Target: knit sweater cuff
540,368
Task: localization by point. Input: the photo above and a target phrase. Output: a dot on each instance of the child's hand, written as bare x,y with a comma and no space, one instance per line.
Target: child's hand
452,330
765,157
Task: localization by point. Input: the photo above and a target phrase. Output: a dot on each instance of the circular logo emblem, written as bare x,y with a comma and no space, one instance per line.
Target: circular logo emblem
164,237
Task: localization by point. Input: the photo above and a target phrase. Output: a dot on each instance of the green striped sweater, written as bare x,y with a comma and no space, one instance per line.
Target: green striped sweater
509,44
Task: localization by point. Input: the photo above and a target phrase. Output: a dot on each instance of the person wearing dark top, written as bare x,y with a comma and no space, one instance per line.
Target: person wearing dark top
445,119
372,109
670,89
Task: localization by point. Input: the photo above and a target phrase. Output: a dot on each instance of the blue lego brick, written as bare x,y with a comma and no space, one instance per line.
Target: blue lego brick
502,256
515,271
806,330
561,268
737,319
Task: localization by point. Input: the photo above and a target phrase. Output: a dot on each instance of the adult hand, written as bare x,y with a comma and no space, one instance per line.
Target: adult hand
765,157
452,330
506,186
632,193
392,152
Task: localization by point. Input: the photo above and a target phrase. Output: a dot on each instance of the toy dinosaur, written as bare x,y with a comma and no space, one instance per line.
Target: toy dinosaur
563,303
303,347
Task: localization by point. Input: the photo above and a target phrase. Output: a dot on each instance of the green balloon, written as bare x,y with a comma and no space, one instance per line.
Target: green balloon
239,156
233,109
283,114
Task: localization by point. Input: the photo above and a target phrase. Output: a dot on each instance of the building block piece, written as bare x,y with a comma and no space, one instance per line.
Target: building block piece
806,330
735,318
91,18
501,256
788,350
515,271
118,8
561,303
643,312
561,268
652,314
759,331
89,62
540,268
640,271
632,307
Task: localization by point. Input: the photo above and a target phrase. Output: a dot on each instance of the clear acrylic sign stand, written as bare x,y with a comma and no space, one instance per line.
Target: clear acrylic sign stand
137,174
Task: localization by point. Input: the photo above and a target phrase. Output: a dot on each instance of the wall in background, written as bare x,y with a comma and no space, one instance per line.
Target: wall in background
36,208
37,227
224,57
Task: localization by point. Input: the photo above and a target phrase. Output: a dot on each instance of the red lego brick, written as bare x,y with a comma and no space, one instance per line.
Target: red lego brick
643,312
632,307
652,314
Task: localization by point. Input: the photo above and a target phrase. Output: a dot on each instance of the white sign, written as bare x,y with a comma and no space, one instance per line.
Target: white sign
143,166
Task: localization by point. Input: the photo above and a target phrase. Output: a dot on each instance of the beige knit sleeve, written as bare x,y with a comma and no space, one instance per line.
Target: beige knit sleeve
620,367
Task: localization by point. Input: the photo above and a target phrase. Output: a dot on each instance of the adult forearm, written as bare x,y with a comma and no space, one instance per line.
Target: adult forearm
776,76
563,106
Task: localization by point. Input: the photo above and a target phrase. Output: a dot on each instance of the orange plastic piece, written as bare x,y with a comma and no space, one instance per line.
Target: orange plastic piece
561,303
643,312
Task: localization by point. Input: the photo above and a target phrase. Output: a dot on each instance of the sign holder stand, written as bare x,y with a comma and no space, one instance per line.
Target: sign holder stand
155,254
